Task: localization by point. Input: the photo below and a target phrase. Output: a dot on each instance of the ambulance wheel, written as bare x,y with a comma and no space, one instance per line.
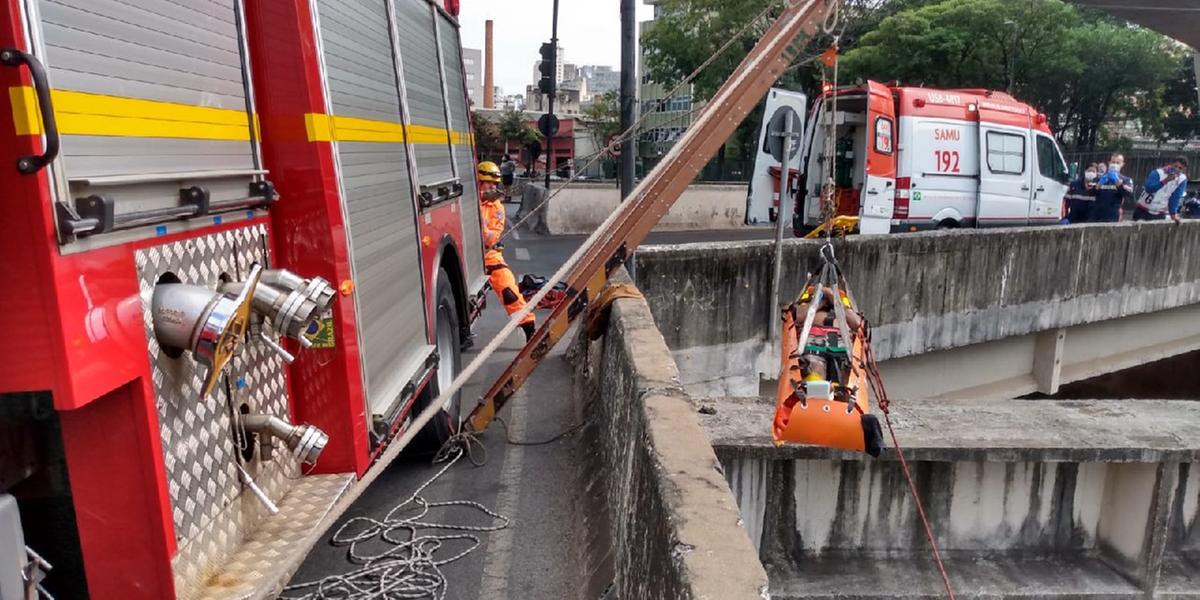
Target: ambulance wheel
449,348
872,435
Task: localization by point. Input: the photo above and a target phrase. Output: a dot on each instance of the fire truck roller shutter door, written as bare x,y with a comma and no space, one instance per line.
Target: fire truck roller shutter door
423,86
377,195
464,152
943,160
144,91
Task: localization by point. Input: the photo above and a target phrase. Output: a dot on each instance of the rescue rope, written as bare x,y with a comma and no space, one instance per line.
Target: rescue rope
880,392
411,565
566,432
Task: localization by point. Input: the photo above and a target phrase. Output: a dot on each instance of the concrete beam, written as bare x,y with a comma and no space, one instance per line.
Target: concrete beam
1047,360
1041,362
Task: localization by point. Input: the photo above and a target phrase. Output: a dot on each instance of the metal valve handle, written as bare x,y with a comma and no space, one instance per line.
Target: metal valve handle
223,333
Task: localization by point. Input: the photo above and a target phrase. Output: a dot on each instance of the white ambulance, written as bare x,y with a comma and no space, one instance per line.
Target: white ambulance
909,159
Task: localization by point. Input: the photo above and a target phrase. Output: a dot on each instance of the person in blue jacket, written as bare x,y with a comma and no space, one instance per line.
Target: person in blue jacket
1112,190
1165,188
1081,196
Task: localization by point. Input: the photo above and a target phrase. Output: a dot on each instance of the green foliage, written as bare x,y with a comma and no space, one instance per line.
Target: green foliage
1178,112
495,135
689,32
488,141
1082,68
603,116
516,130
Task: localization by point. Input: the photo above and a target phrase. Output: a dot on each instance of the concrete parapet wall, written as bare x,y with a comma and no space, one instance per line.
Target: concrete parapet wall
583,206
662,524
923,292
1106,506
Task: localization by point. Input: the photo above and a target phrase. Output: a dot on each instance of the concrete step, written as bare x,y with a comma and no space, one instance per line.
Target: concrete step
1028,499
1007,576
990,430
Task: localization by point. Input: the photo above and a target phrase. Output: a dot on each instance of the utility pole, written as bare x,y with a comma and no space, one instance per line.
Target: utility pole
628,103
551,131
628,94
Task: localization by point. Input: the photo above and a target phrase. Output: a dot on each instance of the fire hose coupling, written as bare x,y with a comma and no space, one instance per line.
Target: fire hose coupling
305,441
211,325
289,302
315,289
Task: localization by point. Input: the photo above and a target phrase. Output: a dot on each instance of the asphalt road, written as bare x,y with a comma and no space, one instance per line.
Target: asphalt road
536,557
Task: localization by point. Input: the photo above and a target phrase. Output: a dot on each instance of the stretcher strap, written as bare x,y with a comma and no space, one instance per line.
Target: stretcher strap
597,317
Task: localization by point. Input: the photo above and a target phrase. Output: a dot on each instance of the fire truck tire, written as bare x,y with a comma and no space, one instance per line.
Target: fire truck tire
449,348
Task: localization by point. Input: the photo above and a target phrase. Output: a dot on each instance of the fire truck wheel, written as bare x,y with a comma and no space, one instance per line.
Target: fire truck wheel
446,336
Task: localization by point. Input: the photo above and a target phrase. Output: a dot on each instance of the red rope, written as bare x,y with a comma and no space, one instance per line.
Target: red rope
876,383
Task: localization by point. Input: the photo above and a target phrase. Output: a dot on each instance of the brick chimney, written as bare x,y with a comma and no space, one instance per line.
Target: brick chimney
489,84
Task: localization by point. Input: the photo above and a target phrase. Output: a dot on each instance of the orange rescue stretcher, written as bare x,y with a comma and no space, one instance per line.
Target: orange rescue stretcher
823,396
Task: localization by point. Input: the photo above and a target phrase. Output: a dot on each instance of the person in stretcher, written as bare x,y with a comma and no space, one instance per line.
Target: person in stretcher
823,393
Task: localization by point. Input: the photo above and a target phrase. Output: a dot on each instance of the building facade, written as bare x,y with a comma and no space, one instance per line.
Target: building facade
473,72
664,118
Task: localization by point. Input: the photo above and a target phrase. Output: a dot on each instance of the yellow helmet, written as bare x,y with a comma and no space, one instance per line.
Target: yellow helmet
488,171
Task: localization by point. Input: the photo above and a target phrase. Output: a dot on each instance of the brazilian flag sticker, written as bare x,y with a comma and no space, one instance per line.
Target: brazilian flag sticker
320,331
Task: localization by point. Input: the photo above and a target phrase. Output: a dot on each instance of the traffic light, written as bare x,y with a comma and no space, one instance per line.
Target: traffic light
547,68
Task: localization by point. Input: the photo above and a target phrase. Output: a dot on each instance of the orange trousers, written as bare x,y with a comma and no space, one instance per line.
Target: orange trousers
504,283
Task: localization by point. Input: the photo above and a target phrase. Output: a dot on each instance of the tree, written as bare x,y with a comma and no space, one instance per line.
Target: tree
1080,68
603,119
515,130
497,135
488,140
688,32
1177,113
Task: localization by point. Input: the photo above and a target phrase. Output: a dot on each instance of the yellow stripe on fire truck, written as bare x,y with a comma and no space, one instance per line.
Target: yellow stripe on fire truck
82,113
329,128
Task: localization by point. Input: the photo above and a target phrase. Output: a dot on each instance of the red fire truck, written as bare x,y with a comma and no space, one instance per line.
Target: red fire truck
240,246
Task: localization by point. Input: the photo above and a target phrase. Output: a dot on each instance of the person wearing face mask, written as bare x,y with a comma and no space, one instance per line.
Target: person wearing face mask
1165,188
1112,189
1081,196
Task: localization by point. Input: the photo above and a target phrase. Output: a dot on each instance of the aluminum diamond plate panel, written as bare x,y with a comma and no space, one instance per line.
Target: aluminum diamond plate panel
278,545
211,515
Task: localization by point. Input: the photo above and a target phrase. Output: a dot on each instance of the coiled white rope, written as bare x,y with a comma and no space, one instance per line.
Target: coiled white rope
409,565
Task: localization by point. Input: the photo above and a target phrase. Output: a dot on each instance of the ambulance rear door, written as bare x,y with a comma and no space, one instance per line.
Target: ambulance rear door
879,191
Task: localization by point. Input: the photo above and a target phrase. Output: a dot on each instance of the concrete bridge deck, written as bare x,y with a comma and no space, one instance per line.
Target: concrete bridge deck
1033,498
1029,499
987,430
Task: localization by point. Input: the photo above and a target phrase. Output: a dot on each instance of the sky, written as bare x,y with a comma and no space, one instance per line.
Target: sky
589,33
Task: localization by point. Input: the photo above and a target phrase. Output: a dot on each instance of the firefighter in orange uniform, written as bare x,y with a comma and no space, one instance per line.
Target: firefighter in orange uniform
491,211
